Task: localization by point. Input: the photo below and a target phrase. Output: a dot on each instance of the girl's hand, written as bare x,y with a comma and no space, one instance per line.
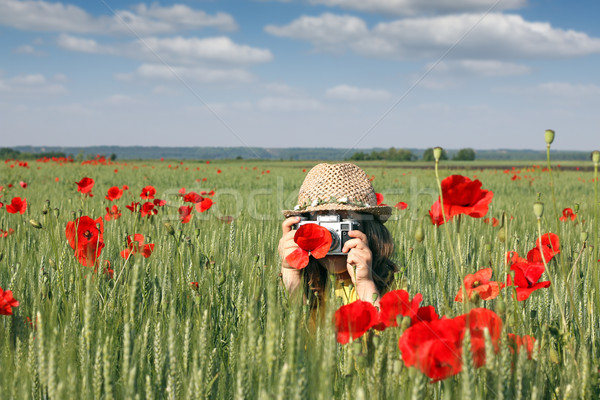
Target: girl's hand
292,277
359,265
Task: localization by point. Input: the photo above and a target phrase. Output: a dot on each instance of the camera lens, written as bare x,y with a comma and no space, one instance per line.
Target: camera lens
335,239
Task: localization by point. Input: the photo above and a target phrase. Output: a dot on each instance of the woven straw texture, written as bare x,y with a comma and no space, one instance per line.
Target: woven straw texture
338,181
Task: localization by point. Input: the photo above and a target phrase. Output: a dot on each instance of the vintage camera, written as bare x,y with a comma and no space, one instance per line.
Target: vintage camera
338,228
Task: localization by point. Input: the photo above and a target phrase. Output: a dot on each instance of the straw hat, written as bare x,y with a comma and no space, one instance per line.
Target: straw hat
338,187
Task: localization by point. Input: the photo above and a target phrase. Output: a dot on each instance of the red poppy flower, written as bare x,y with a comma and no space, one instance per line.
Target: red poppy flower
148,209
4,233
401,205
85,186
434,347
136,245
125,187
354,319
159,202
312,240
425,314
133,207
461,196
112,213
480,283
107,270
17,205
204,205
85,236
568,213
494,221
7,302
395,303
195,286
192,197
526,279
379,198
516,341
228,219
23,184
550,246
512,257
182,191
185,214
1,204
114,193
148,193
479,319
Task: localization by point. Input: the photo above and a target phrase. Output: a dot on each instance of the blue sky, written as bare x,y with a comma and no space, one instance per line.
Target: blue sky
301,73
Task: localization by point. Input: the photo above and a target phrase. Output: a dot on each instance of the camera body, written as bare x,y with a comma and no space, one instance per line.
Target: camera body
338,228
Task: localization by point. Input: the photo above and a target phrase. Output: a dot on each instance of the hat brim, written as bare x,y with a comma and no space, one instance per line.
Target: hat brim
381,212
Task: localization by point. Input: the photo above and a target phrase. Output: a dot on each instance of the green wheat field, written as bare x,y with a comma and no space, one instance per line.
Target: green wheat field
149,332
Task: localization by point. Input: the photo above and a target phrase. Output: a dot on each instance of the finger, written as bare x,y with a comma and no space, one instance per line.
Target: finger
288,222
289,236
353,243
358,234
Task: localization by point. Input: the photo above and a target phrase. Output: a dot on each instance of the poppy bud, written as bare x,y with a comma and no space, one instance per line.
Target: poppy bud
596,156
1,256
437,153
576,208
501,235
197,232
538,209
79,213
549,136
419,234
376,340
56,212
405,324
475,297
35,224
170,229
500,306
583,236
221,280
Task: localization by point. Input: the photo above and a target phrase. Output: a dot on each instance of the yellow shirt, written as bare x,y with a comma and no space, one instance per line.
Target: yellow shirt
345,289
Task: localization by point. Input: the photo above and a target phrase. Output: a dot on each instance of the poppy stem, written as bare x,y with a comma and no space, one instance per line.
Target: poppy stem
457,263
596,255
554,282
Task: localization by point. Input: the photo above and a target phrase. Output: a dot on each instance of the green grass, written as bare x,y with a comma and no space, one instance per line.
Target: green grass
148,334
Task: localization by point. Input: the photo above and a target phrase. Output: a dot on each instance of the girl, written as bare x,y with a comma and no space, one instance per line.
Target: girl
366,271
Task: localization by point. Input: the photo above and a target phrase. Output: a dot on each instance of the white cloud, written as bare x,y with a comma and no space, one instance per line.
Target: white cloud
82,45
327,31
472,36
43,16
413,7
176,50
191,74
28,49
555,89
216,49
30,84
288,104
352,93
453,73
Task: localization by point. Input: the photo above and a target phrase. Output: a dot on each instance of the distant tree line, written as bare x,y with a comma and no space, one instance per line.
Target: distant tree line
8,153
393,154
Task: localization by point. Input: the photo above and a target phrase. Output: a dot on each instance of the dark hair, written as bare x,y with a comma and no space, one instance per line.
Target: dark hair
382,247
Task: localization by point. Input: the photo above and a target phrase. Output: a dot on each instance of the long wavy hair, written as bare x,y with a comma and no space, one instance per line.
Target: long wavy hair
381,245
